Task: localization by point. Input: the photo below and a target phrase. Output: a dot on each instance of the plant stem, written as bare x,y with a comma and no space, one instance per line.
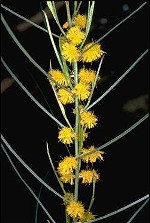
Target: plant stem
92,198
51,162
75,68
68,13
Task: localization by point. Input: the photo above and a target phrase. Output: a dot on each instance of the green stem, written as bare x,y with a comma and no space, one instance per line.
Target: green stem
122,21
92,198
68,13
94,84
50,159
75,68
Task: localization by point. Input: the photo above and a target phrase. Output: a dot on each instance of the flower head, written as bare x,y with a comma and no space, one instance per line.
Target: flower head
82,91
58,76
75,209
67,178
94,53
88,176
75,35
80,21
93,156
86,76
70,52
88,119
67,165
65,96
66,135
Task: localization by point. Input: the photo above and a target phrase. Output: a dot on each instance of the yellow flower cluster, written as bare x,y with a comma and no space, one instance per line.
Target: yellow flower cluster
93,53
82,91
75,35
80,20
75,209
65,96
91,158
88,119
86,76
58,76
66,135
66,168
88,176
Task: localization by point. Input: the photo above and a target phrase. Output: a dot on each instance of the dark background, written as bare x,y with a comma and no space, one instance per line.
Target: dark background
124,173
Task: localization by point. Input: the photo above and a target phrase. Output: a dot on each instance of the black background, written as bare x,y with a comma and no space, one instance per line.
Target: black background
124,173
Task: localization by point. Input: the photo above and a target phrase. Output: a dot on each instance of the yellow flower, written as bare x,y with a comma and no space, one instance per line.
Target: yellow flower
67,165
82,91
75,209
65,96
94,53
70,52
93,156
88,119
86,76
87,217
75,35
80,20
58,76
88,176
67,178
66,135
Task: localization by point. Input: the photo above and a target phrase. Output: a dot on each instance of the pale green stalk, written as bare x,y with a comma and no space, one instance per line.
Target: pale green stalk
52,41
119,79
29,188
89,21
68,13
106,34
27,54
94,84
75,68
138,210
92,198
51,6
27,20
117,137
28,168
119,210
51,162
30,95
61,108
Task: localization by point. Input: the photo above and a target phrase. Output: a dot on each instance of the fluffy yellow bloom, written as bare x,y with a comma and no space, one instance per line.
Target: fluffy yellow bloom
66,135
75,35
58,76
88,119
87,76
80,20
65,96
70,52
88,176
87,217
93,156
68,178
94,53
67,165
82,91
75,209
